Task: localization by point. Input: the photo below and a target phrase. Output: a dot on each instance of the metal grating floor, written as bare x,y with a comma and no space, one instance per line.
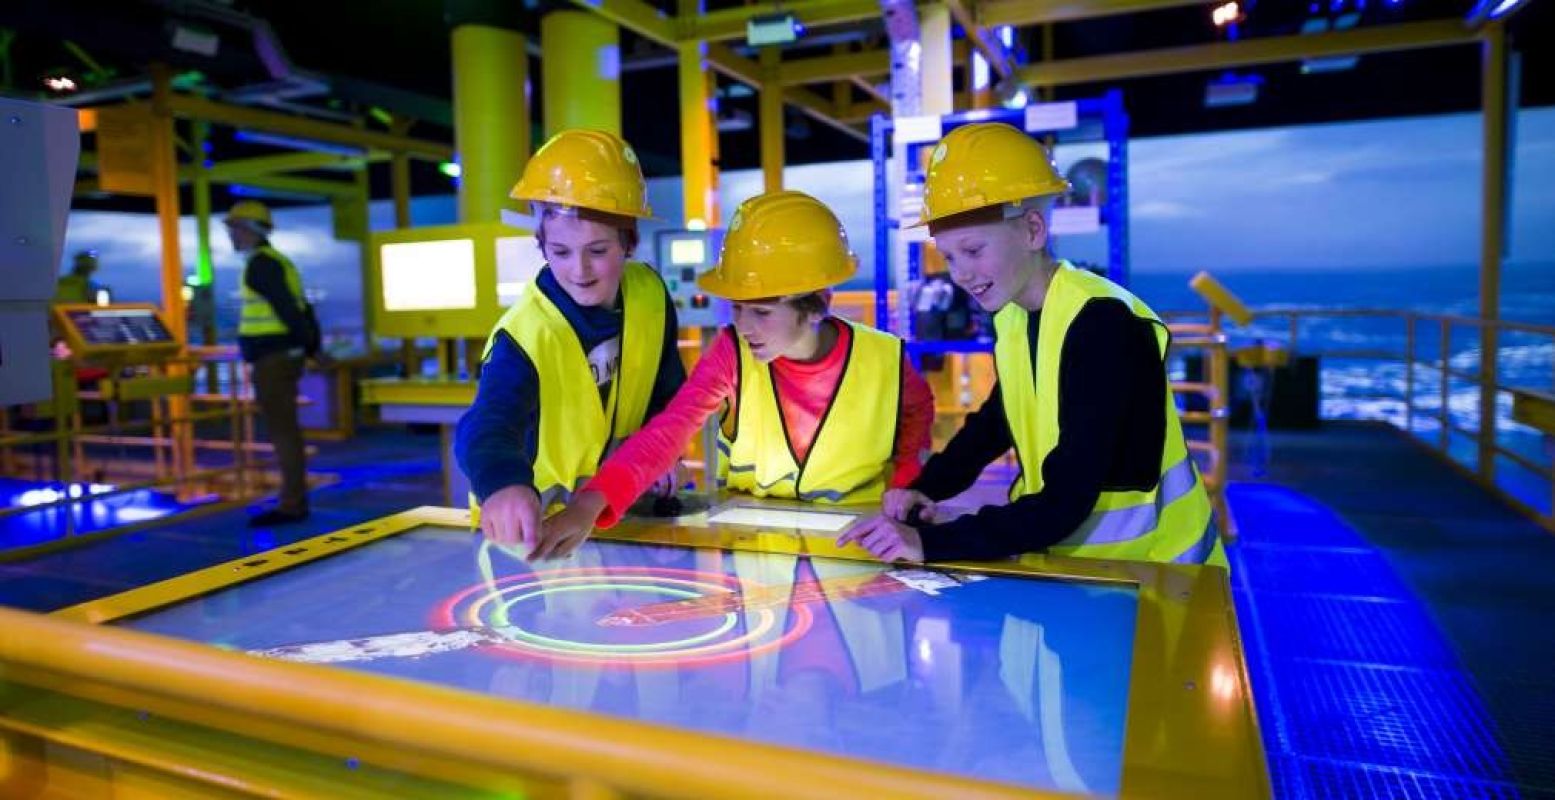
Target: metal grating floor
1360,695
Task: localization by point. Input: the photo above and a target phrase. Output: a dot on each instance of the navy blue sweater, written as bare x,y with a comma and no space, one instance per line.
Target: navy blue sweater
496,439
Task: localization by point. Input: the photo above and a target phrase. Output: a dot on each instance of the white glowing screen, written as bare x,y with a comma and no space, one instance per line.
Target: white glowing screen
419,276
686,252
782,519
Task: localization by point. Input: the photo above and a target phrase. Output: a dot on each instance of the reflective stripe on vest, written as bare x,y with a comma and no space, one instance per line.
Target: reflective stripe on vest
1165,523
850,458
258,318
576,430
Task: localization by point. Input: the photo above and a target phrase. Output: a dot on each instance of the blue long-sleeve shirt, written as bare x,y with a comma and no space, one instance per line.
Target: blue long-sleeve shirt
495,441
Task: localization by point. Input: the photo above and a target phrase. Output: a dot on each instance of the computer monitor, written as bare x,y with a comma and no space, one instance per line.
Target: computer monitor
444,281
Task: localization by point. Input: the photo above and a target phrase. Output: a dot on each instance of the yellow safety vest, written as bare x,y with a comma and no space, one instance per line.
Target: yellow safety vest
577,431
74,288
849,460
258,318
1168,523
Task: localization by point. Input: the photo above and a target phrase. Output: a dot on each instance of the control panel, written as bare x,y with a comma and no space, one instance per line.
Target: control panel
682,255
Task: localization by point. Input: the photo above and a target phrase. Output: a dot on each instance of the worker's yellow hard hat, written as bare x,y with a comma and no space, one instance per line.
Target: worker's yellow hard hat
780,244
986,164
586,169
250,211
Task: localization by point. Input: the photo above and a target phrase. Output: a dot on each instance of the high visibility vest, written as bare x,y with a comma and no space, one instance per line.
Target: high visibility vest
74,288
258,317
850,458
1171,521
576,431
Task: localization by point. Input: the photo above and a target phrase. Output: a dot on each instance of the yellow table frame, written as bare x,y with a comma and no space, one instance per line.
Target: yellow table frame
90,709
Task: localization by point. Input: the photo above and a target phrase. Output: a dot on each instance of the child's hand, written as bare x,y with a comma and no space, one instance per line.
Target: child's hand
568,528
511,517
899,503
885,539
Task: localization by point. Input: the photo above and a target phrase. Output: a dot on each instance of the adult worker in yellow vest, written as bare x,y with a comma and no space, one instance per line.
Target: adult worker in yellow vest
815,408
77,286
586,352
1082,394
275,336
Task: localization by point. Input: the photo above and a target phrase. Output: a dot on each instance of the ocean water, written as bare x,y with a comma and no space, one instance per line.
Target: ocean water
1376,388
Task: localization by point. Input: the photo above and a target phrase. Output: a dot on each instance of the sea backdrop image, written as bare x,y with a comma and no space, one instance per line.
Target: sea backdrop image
1339,217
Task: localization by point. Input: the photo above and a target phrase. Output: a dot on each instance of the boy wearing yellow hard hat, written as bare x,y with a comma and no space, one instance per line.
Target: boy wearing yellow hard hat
1081,396
814,408
586,353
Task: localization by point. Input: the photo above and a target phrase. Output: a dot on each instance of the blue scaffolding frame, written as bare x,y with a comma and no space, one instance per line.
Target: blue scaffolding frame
1096,119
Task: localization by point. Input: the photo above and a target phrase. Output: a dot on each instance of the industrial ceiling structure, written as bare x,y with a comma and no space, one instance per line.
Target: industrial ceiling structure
1184,65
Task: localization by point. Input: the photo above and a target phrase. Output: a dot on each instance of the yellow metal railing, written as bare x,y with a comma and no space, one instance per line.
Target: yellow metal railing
1533,406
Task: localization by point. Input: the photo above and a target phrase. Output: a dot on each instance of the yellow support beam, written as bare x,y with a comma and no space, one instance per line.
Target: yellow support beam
295,185
834,67
729,23
241,168
1497,102
1247,52
192,107
637,17
734,65
992,51
1039,12
769,120
870,89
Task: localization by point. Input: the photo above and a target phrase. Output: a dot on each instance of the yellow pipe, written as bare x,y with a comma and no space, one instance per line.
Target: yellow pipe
1497,104
769,119
581,73
491,117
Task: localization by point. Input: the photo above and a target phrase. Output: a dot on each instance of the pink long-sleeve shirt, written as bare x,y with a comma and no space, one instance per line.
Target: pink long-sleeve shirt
805,390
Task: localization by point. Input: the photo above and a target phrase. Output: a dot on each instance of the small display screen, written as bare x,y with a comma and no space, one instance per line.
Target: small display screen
782,519
428,276
119,326
688,251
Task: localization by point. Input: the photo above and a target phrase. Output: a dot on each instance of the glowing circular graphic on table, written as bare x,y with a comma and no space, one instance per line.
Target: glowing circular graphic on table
636,616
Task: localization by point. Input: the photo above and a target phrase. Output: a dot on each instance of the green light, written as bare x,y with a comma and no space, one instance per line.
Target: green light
450,168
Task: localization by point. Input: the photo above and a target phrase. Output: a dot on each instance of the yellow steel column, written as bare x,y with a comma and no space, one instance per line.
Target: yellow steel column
1497,105
580,54
937,69
491,117
698,136
164,177
770,119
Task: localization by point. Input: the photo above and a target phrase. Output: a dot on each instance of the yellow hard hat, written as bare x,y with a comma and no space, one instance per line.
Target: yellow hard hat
986,164
586,169
780,244
250,211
